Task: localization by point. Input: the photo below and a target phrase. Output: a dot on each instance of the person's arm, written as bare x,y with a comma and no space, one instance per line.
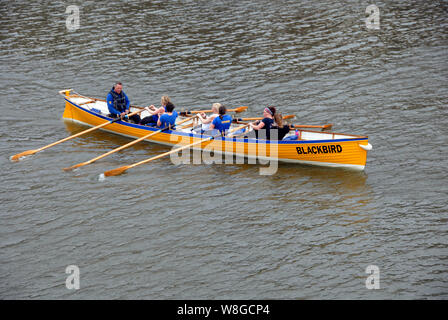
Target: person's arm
259,126
128,103
152,110
159,111
209,119
212,125
202,117
159,122
110,105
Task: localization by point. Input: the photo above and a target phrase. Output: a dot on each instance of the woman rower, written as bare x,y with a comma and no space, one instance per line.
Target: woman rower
221,123
168,118
155,112
282,130
207,121
266,123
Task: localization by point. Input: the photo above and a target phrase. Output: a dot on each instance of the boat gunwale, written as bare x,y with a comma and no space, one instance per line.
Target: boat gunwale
232,139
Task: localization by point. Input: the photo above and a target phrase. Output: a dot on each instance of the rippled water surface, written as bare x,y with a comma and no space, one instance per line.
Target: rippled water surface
163,231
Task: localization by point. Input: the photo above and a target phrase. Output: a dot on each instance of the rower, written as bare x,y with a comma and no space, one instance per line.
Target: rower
266,123
207,121
282,130
222,122
118,103
155,112
168,119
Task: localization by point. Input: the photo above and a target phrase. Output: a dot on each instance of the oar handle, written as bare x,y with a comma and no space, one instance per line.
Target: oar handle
132,113
187,119
246,119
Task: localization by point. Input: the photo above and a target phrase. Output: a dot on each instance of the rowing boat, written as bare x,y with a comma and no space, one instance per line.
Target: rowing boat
312,147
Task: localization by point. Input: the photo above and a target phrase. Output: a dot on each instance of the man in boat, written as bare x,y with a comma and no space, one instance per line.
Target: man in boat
118,103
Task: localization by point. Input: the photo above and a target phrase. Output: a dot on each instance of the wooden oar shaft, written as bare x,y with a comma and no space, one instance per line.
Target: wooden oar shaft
30,152
115,172
288,116
120,170
84,132
239,109
121,148
170,152
180,149
296,126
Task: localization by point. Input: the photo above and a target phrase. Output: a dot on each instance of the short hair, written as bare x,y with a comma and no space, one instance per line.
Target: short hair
118,82
169,107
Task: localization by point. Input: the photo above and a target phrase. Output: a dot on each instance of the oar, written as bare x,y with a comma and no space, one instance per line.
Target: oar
118,171
297,126
288,116
323,127
17,157
122,147
237,110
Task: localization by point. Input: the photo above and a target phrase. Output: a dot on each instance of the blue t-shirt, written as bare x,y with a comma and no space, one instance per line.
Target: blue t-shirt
166,119
224,124
122,106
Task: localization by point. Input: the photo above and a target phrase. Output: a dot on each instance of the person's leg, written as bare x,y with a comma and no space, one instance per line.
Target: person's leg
135,118
147,121
294,137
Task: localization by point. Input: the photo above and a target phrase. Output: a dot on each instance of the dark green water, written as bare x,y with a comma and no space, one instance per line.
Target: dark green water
224,231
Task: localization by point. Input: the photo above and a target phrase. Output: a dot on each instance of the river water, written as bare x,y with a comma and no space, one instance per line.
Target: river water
165,231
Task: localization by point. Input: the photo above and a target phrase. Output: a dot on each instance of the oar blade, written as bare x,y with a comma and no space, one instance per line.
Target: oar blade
116,172
75,166
17,157
327,127
241,109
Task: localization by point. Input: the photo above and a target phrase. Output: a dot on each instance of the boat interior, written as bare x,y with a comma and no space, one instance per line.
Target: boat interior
100,106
